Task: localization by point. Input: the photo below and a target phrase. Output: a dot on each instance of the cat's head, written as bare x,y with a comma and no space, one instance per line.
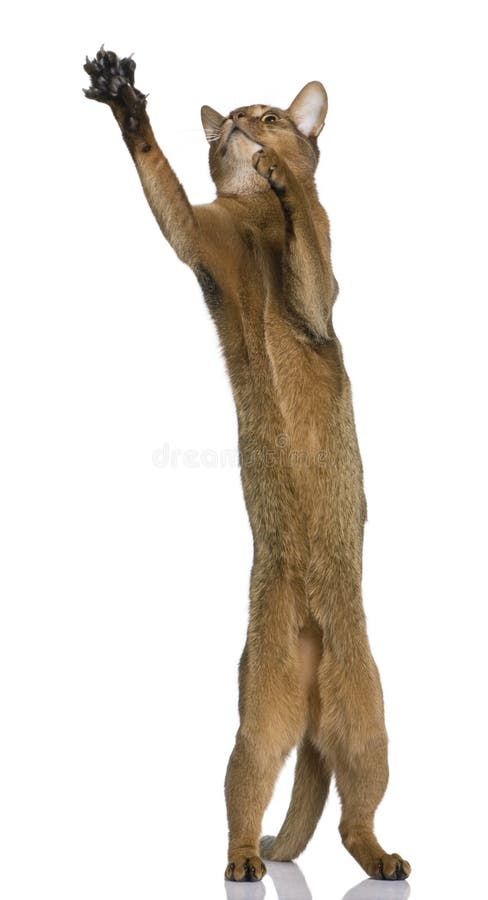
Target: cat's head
292,133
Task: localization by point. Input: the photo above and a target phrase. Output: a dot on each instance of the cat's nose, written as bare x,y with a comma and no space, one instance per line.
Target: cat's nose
238,114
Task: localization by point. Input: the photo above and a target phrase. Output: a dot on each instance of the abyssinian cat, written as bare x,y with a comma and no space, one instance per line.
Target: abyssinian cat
261,253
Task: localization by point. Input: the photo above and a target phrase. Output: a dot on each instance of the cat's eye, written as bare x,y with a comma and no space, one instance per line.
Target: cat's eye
269,118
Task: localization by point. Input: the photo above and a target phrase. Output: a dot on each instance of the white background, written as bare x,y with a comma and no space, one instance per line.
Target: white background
124,594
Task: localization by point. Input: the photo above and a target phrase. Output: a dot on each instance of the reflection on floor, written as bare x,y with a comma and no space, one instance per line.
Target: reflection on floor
379,890
290,884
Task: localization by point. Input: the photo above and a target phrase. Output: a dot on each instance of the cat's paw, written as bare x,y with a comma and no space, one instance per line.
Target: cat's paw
268,164
242,868
112,82
391,867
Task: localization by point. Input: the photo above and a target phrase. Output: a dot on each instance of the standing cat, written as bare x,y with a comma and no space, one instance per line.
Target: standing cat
261,252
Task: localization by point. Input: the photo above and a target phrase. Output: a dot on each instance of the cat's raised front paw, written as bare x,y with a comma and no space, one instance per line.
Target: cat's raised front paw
112,82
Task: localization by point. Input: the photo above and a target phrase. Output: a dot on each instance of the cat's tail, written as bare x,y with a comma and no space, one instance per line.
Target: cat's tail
310,789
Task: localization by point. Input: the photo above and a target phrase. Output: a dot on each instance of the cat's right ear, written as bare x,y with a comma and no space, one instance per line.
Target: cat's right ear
212,122
309,109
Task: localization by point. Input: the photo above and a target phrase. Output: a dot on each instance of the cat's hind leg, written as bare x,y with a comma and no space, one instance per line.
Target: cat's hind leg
354,738
273,713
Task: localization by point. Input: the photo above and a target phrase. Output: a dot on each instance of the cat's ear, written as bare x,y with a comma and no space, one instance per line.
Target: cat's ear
309,109
212,122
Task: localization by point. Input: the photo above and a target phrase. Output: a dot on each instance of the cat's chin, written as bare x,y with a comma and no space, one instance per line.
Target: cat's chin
243,146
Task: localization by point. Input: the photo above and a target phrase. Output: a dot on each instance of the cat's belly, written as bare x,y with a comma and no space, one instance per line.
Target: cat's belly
301,469
306,383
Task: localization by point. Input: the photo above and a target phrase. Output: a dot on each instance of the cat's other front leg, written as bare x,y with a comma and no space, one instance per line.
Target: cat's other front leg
308,282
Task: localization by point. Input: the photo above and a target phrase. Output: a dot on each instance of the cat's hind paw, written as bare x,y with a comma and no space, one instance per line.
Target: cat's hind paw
242,868
391,867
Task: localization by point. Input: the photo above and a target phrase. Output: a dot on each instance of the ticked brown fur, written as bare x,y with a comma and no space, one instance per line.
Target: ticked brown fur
261,253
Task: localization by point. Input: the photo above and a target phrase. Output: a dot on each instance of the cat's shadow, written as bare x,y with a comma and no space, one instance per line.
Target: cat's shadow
289,882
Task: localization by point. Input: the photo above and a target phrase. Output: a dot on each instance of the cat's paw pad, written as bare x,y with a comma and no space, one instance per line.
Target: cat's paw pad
268,164
391,867
242,868
112,82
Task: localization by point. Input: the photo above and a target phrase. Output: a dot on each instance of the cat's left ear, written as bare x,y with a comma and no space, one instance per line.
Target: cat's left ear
212,122
309,109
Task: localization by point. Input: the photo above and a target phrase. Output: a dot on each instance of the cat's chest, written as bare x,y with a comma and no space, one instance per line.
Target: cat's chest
294,375
283,374
261,302
276,371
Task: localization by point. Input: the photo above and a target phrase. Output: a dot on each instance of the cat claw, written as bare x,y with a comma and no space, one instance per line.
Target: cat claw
112,81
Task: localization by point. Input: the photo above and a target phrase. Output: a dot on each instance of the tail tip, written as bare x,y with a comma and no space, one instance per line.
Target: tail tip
266,846
269,850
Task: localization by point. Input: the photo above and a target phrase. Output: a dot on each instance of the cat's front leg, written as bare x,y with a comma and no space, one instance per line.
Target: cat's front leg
112,83
308,283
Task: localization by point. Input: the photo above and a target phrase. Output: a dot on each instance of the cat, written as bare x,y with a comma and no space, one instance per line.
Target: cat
307,679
